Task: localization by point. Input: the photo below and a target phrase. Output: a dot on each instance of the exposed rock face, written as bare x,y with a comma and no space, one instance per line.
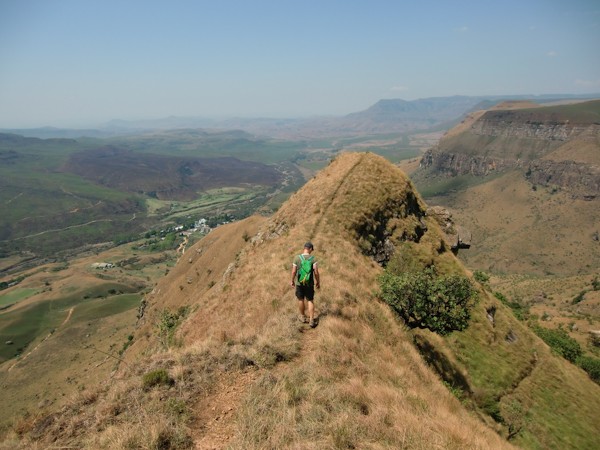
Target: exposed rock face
454,164
581,179
551,149
456,236
512,124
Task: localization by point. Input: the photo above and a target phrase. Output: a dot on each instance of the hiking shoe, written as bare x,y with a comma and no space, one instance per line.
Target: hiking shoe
302,318
312,323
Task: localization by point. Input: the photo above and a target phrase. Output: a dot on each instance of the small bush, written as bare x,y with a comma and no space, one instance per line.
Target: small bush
177,407
167,324
560,342
126,344
591,366
425,300
520,311
481,277
579,298
156,378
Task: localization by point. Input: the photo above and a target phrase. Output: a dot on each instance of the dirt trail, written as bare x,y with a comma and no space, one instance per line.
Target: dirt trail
57,229
330,201
68,317
214,427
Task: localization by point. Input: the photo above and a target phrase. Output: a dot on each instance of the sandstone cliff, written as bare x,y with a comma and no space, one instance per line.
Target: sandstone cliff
557,147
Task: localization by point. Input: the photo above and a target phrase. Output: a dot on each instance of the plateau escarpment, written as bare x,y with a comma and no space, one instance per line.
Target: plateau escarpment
545,143
526,183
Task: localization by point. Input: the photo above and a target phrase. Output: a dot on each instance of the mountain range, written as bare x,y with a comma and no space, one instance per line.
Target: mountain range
385,116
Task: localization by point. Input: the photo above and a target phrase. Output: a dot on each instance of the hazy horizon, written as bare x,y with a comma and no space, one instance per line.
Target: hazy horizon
73,64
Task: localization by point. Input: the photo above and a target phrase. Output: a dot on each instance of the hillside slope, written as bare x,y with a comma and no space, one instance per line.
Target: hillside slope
526,182
237,369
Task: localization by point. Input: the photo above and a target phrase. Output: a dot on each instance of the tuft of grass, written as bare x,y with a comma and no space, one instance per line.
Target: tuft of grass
158,377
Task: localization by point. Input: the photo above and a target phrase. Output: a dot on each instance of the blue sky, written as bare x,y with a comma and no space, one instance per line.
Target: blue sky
80,63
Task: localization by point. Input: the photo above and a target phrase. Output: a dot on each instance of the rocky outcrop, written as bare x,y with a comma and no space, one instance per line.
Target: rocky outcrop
582,180
455,164
456,236
512,124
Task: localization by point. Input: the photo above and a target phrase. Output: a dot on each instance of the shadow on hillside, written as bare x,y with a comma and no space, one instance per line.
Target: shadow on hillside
441,364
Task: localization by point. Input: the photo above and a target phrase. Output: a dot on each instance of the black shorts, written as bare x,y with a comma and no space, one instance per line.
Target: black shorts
305,292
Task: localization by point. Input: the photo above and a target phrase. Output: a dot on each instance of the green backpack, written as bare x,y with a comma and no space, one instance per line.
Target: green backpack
305,270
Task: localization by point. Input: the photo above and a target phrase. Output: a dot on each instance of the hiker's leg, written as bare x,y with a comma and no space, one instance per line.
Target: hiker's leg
301,307
300,298
311,310
310,295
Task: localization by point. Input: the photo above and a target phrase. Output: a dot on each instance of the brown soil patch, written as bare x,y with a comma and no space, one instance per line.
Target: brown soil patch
214,425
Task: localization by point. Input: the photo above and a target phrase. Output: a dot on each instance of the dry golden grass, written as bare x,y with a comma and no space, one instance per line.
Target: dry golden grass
518,230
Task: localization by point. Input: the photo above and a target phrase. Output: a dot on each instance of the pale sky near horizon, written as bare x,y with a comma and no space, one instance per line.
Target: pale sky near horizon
84,62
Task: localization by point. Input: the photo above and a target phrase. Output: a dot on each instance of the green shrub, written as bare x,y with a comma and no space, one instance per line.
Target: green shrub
425,300
126,344
481,277
560,342
578,298
156,378
167,324
520,311
591,366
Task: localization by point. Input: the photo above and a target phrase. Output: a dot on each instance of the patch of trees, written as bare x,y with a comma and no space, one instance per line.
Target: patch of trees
564,345
11,282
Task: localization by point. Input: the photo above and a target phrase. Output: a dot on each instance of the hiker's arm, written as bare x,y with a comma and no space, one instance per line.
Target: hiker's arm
317,277
294,270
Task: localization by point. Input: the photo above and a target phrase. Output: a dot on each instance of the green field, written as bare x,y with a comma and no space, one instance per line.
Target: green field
109,306
16,296
437,186
25,325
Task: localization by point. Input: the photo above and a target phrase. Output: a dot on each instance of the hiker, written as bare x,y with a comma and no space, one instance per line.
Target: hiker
305,278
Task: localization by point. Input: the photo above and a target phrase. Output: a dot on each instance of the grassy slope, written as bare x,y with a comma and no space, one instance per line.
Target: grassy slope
355,381
537,234
518,230
522,383
80,318
37,200
248,375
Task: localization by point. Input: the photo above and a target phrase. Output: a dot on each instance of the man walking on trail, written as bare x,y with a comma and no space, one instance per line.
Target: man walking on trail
305,278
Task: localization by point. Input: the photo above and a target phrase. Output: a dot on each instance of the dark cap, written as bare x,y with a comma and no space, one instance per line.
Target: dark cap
308,245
